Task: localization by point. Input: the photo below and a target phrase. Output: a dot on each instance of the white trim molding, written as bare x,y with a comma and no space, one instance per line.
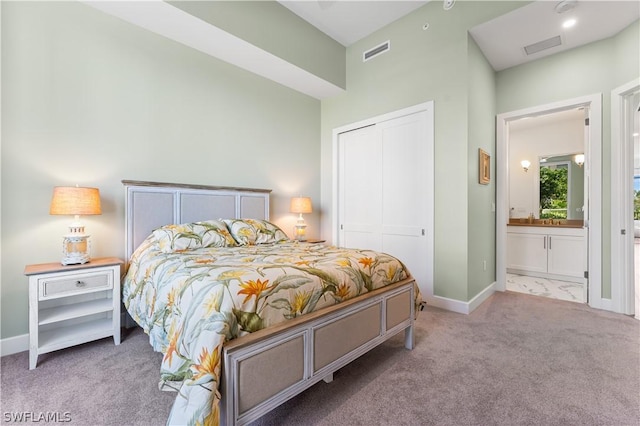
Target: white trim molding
593,172
13,345
459,306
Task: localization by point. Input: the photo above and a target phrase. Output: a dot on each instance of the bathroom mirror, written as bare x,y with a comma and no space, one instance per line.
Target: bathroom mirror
561,187
546,140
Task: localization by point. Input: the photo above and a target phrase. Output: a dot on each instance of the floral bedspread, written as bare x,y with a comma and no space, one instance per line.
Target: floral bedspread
191,301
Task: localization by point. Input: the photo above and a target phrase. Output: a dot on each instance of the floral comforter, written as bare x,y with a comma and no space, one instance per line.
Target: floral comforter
190,300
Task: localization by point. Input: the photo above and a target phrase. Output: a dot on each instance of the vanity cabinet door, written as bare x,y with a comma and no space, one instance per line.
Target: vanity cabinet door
566,255
527,252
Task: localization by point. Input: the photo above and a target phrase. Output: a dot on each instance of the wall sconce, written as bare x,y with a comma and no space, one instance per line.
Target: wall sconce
301,205
525,165
76,201
579,159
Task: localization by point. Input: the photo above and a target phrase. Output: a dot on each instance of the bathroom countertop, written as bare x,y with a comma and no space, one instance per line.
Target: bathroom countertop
539,223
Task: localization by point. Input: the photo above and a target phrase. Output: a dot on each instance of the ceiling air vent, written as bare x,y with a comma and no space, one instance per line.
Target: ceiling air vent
542,45
378,50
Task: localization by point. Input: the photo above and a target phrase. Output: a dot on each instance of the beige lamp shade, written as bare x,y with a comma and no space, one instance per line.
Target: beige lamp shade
72,200
301,205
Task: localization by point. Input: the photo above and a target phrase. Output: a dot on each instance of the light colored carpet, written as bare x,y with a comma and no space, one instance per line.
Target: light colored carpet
516,360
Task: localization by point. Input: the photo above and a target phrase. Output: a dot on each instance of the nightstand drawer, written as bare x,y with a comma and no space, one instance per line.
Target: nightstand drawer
81,283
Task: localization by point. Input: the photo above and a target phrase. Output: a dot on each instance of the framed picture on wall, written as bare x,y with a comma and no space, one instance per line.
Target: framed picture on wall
485,167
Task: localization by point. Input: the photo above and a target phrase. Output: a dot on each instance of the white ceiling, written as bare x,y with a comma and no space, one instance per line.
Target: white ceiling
502,39
349,21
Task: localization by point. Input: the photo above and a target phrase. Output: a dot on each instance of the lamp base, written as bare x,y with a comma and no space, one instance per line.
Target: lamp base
75,249
301,232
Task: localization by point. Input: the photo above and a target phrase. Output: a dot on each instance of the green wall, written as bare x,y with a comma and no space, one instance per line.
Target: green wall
598,67
274,28
421,66
89,99
481,201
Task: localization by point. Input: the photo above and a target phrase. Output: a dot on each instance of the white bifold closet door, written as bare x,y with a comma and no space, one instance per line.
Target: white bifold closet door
382,190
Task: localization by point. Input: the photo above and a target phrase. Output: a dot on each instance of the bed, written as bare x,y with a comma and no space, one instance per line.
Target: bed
246,318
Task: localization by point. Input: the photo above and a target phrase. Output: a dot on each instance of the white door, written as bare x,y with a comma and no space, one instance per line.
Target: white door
404,191
360,156
625,159
383,191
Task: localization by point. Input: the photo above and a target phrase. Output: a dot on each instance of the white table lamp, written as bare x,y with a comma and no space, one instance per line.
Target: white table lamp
76,201
301,205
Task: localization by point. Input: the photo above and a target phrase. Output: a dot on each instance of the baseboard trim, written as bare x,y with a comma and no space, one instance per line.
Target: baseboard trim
13,345
460,306
482,296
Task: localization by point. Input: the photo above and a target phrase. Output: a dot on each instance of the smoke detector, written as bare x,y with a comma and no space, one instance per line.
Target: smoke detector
565,6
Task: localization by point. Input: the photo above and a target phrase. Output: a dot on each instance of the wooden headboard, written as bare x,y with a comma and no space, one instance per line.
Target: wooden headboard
150,205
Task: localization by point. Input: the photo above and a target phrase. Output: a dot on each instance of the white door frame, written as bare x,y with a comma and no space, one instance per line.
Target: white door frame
622,244
429,164
593,170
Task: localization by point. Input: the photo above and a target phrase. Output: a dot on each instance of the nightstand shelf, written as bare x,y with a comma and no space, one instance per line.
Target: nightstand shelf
65,312
73,304
71,335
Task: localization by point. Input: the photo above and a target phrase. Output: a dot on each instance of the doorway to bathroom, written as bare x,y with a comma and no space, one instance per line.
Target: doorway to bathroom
546,241
588,257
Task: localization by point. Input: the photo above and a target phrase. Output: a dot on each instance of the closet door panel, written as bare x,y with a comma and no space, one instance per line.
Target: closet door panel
403,157
360,182
404,193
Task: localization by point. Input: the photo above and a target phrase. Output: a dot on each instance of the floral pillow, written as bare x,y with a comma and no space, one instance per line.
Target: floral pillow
189,236
255,231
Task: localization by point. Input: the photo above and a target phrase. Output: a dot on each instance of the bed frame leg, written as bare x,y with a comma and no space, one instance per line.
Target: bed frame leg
409,337
328,379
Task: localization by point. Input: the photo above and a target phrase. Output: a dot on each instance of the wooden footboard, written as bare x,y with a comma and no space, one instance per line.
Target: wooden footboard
264,369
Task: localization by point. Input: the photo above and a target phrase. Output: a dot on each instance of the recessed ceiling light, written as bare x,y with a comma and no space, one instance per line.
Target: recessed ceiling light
569,23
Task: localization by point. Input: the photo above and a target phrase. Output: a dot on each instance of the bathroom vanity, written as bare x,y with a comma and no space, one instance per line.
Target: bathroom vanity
547,250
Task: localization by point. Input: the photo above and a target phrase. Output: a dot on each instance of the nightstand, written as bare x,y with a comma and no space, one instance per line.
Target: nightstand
72,304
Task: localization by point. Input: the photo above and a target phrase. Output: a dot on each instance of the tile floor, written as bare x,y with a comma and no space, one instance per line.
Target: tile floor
546,287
